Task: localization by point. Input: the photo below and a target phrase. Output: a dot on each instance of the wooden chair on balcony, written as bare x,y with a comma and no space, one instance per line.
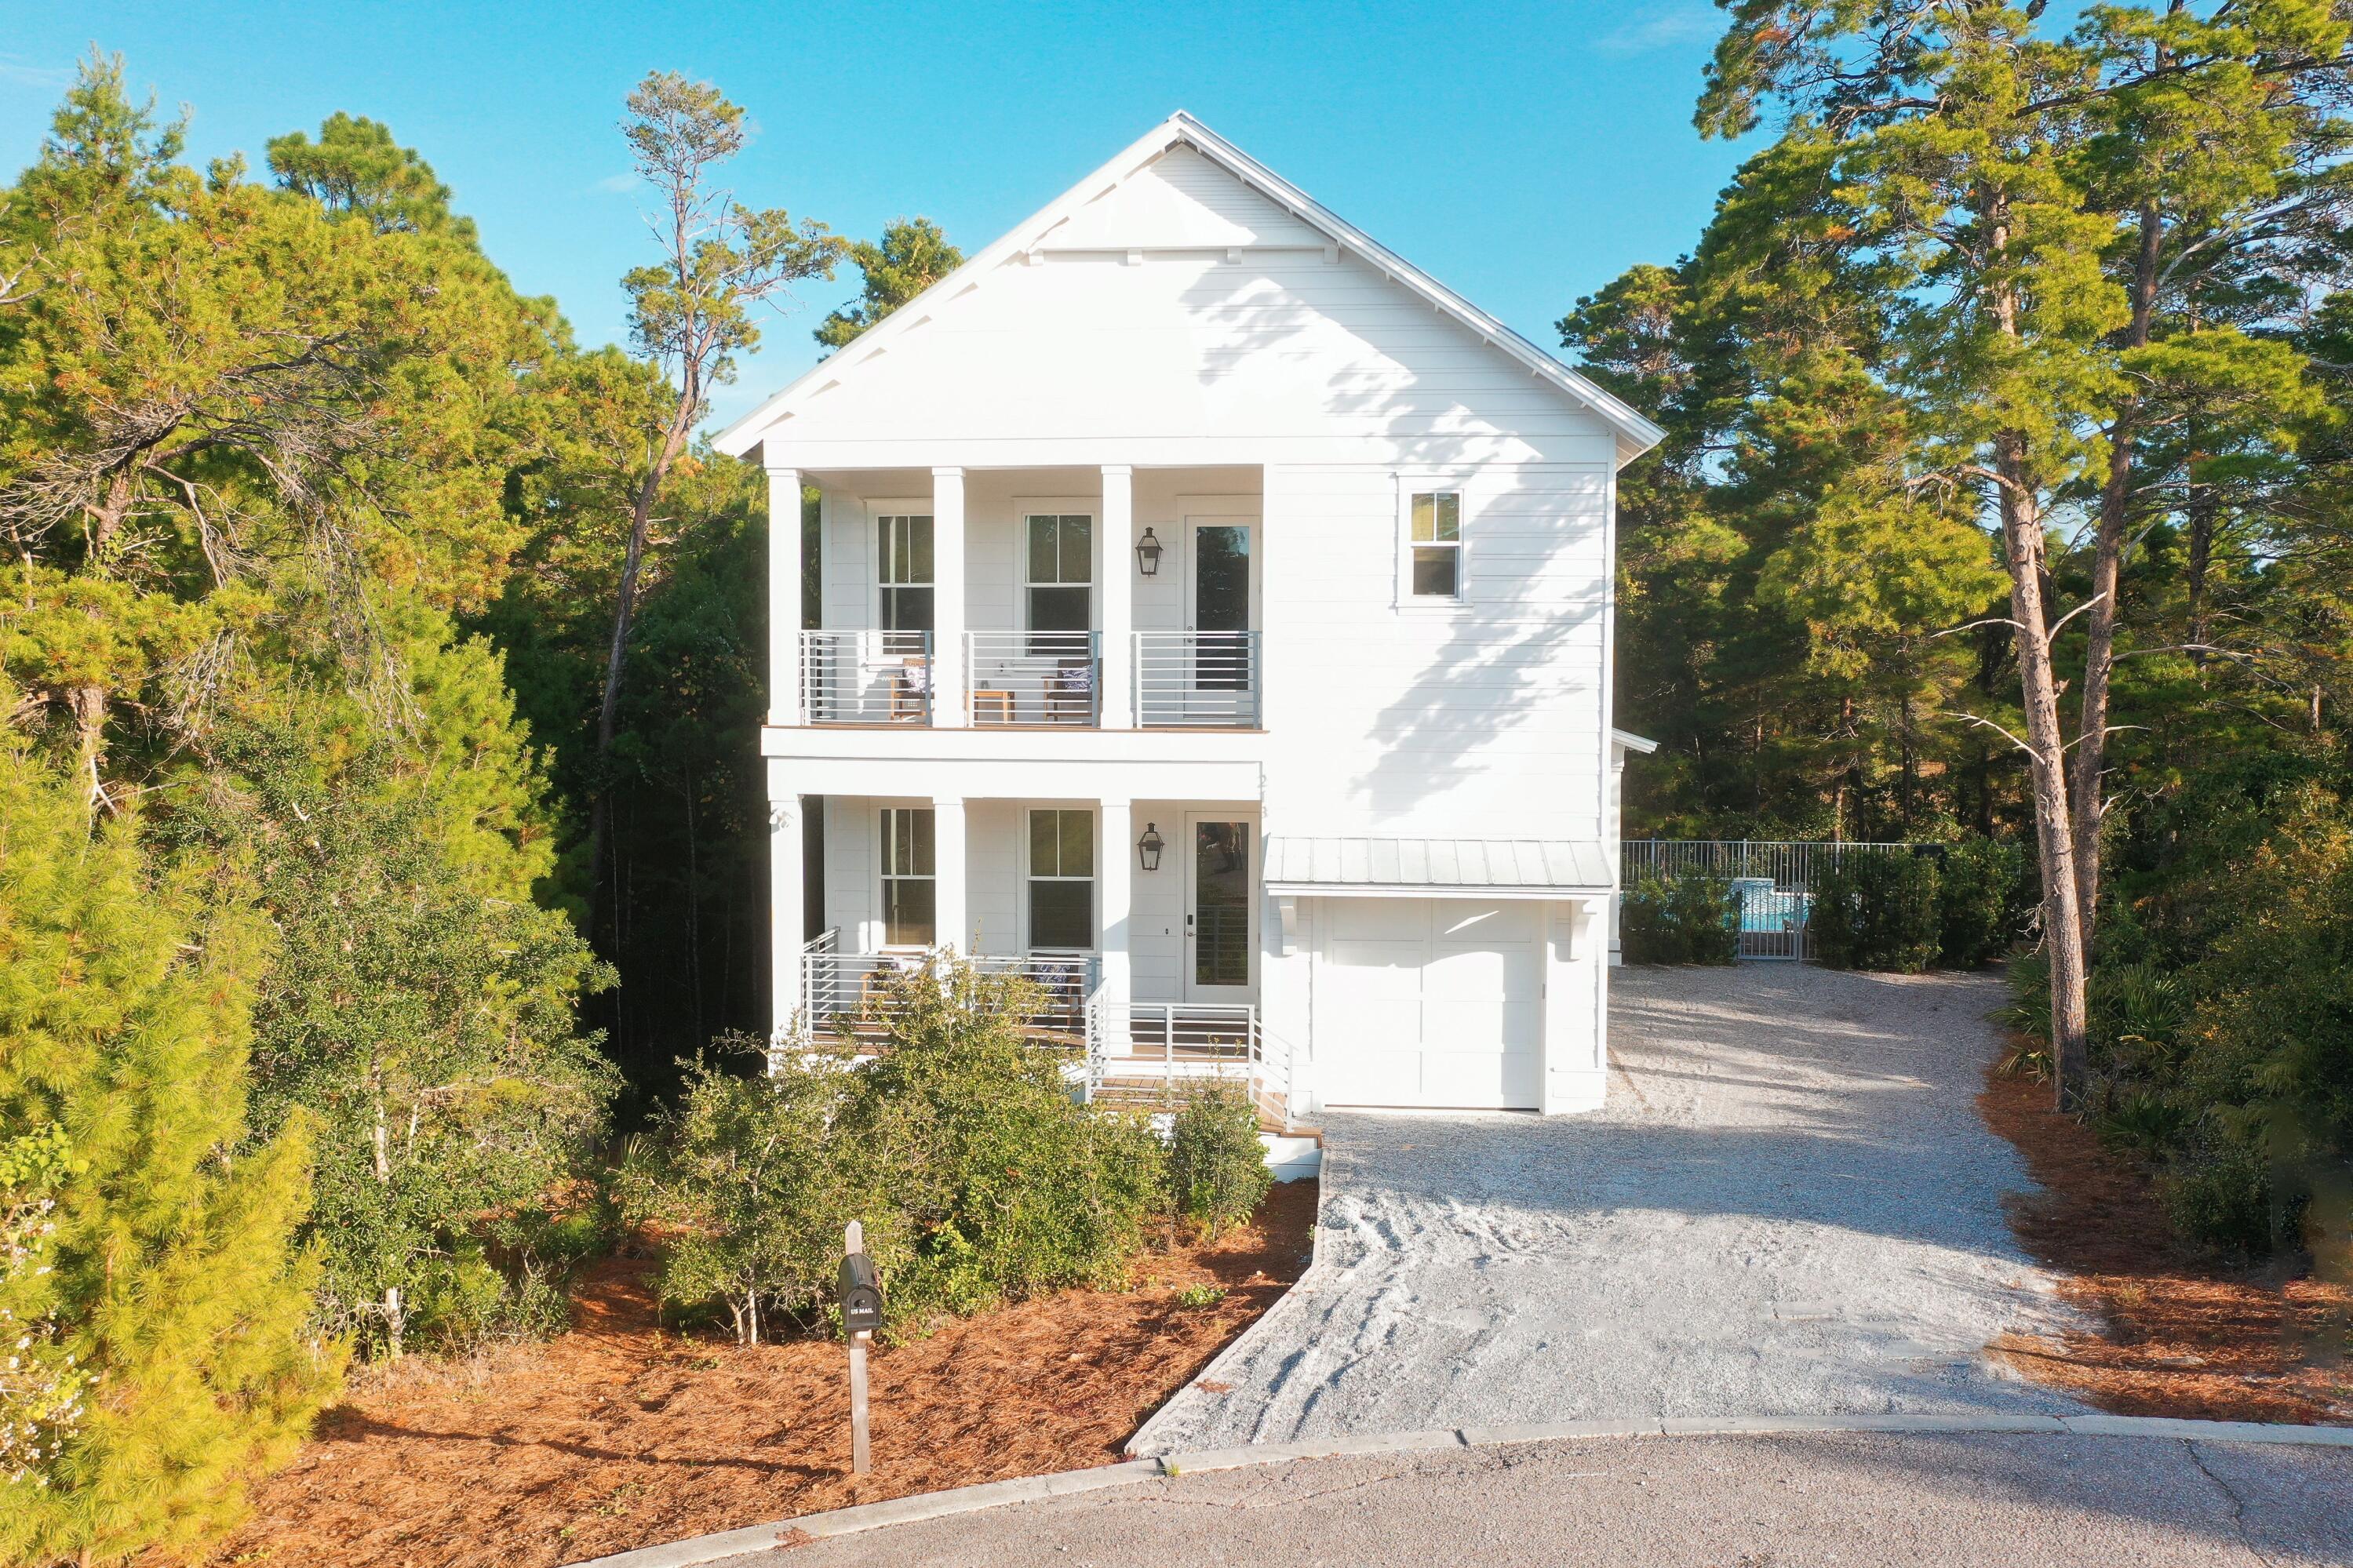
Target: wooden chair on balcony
1062,1017
1071,693
911,691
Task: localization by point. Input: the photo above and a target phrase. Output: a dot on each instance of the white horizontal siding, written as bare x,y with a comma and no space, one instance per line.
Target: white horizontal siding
850,871
1482,720
1276,346
1181,199
992,894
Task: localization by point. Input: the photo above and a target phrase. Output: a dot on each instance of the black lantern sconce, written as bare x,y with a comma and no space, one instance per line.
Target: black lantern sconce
1147,554
1148,848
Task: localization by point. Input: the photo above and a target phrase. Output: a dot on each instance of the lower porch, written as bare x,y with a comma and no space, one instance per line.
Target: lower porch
1136,921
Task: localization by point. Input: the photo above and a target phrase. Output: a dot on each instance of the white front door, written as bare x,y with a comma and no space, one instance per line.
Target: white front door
1220,956
1430,1001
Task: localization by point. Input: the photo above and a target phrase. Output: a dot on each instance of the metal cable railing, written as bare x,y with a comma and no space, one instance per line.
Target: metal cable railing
866,677
1207,679
1033,677
850,988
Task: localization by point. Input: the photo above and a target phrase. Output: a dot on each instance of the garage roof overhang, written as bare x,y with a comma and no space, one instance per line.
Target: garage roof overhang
1437,867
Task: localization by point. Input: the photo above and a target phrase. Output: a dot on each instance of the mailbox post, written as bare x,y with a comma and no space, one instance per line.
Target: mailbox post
861,1314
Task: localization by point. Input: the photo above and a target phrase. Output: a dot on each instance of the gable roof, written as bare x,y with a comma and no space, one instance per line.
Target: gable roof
1636,435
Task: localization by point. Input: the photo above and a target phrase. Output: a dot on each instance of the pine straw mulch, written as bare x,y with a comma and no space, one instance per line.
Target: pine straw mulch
2182,1334
619,1434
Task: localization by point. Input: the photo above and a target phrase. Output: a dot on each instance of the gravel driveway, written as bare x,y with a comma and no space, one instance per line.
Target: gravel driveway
1787,1205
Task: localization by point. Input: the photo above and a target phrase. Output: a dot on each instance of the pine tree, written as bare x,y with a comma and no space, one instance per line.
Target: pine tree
913,255
1970,142
176,1283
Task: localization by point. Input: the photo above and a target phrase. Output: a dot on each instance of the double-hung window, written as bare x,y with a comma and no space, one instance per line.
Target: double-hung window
1434,546
902,567
1059,582
910,872
1062,879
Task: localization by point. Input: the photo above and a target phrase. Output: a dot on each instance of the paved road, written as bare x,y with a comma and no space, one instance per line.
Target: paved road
1857,1501
1789,1205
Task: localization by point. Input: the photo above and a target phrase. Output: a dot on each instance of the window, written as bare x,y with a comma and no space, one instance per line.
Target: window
1060,581
909,893
1435,545
1062,879
902,565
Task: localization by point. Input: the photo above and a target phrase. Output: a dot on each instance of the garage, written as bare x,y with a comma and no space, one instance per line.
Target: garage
1430,1001
1426,964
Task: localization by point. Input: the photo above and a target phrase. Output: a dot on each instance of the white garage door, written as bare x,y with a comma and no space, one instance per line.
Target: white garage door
1429,1002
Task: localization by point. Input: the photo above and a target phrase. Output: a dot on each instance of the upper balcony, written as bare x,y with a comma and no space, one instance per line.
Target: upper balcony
1103,599
1175,680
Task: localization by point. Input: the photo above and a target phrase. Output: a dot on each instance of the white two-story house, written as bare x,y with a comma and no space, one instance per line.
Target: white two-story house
1216,624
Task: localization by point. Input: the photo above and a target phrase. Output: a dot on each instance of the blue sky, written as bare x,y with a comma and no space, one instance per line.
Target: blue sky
1524,154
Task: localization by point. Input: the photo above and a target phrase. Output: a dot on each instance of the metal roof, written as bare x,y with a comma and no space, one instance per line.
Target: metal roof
1527,868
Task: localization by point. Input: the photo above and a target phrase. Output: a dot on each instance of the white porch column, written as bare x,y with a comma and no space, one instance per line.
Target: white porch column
786,913
950,920
949,705
1613,847
784,595
1114,893
1115,570
1575,964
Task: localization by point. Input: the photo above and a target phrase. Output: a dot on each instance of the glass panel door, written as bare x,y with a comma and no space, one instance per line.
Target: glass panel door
1221,909
1218,605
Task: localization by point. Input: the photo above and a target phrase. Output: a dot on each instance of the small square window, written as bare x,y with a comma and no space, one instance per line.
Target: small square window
1434,546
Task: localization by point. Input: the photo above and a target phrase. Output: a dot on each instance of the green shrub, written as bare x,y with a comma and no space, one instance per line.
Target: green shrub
2143,1122
1976,893
1875,909
977,1174
748,1184
2219,1192
1007,1185
2134,1012
1689,920
1216,1166
2028,1011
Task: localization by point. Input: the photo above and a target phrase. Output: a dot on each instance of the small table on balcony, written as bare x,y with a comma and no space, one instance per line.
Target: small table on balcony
996,705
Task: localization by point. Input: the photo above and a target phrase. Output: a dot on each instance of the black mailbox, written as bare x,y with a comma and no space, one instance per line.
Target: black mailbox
861,1296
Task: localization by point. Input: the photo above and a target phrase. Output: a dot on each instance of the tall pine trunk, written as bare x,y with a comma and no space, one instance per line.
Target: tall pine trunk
2107,571
2018,486
625,610
2062,923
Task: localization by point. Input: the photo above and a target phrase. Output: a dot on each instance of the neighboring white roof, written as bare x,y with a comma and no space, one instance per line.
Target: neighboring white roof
1530,867
1632,741
1636,434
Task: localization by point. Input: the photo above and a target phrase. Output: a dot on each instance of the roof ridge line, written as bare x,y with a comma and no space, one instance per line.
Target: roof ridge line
1631,423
